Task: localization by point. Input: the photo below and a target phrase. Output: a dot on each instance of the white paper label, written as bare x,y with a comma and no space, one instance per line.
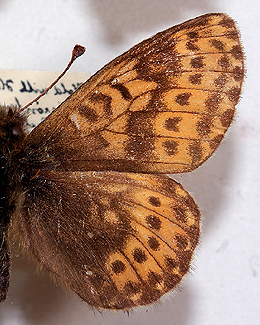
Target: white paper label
20,87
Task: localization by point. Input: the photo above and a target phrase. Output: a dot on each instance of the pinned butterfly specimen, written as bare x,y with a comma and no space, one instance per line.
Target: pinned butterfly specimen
86,186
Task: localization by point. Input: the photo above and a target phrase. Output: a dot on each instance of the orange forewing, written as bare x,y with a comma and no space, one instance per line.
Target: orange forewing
162,107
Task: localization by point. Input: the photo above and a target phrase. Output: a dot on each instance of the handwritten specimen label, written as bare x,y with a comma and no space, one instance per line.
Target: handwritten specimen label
20,87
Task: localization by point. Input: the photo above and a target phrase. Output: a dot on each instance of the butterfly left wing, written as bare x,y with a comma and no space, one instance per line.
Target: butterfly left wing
162,107
118,240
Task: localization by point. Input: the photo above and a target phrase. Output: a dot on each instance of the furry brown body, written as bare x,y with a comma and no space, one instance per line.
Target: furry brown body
11,150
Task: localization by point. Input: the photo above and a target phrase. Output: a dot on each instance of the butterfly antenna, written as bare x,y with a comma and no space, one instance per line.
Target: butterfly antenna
78,50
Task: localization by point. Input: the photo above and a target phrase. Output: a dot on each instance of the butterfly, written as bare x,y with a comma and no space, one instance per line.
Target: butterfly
86,187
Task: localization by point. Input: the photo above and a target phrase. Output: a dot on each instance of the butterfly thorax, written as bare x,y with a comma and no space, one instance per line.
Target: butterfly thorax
11,149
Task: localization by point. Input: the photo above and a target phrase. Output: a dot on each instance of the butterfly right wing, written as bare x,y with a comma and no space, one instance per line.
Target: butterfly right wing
162,107
118,240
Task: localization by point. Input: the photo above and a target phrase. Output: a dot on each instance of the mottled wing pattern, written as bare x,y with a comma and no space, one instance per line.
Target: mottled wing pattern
121,239
118,240
162,107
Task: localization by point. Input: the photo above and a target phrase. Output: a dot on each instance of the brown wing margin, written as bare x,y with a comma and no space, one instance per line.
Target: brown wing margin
118,240
162,107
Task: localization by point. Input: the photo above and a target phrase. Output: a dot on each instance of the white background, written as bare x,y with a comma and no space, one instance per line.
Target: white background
224,287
